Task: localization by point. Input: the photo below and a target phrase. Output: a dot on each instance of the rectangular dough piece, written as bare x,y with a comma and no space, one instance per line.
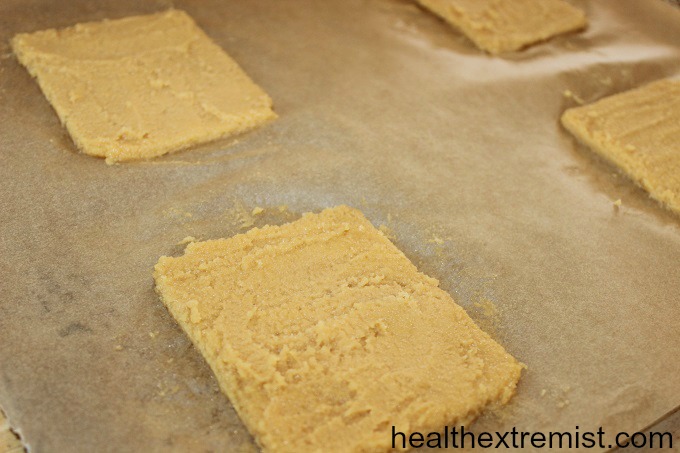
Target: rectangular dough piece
324,335
498,26
639,132
142,86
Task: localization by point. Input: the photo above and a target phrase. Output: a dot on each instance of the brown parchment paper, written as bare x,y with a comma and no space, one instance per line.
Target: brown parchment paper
382,107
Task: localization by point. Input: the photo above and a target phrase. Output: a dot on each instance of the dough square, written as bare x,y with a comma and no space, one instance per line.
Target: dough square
639,132
498,26
324,335
141,86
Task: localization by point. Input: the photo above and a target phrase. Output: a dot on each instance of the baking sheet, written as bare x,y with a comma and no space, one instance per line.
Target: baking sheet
382,107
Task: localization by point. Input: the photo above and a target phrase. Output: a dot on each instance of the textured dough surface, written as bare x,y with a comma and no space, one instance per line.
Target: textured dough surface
142,86
9,443
498,26
639,132
324,335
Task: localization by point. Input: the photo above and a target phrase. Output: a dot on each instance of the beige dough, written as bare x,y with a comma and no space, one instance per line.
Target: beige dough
498,26
324,335
639,132
9,443
142,86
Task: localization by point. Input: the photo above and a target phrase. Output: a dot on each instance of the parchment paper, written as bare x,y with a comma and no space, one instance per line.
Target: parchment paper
382,107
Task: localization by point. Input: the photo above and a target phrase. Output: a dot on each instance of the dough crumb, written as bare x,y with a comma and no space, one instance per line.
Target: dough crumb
177,213
435,240
487,308
257,210
187,240
240,216
606,81
571,95
387,231
486,314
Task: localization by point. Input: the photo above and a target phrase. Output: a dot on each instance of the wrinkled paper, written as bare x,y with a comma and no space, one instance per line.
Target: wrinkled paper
457,155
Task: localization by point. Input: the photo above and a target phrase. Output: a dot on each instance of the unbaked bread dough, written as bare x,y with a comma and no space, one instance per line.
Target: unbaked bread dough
498,26
639,132
142,86
324,335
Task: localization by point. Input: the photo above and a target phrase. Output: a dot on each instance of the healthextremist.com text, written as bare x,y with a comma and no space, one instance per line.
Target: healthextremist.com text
458,437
